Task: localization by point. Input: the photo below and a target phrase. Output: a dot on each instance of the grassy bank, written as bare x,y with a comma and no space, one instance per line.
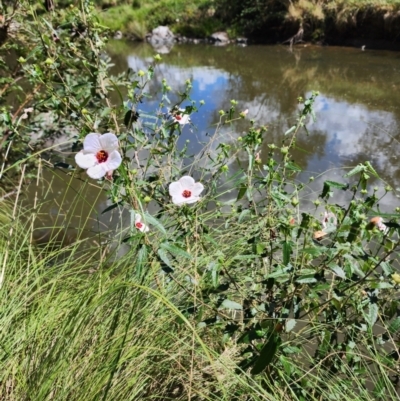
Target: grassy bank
193,19
87,328
333,22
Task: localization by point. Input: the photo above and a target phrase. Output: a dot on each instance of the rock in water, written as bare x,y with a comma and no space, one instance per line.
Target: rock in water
219,37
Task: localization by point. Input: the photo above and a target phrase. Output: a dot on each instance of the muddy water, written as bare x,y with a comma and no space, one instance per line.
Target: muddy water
358,110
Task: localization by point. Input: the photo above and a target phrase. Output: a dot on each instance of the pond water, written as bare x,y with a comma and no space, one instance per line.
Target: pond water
358,109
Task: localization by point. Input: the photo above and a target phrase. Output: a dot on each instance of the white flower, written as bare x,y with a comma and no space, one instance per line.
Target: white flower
99,155
378,223
186,190
329,219
139,225
180,117
26,113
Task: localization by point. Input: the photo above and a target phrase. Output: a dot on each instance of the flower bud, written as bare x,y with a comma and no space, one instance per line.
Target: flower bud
396,278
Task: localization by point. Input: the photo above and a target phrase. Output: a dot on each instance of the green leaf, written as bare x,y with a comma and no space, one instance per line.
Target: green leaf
338,271
287,365
267,354
292,166
244,213
381,285
338,185
306,279
290,130
175,250
287,250
325,190
371,169
154,222
242,192
386,268
314,251
394,326
305,272
280,271
164,257
141,260
228,304
356,170
372,315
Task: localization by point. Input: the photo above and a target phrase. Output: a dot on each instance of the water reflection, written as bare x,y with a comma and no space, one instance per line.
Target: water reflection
358,110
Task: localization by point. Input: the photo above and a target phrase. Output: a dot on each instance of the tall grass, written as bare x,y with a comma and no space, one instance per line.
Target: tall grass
77,326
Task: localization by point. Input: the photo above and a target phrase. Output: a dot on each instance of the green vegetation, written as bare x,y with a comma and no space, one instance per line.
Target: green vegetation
262,21
228,289
193,19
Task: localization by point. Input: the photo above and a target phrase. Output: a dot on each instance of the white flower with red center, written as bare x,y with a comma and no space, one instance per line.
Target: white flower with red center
180,117
378,223
140,225
185,190
99,155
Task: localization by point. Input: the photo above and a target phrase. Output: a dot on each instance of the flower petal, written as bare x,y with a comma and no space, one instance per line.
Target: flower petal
175,189
97,171
109,142
138,218
85,160
114,160
91,143
180,200
192,199
197,189
182,119
187,182
144,228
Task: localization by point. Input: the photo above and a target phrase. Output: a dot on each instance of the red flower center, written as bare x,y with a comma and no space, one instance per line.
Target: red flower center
139,224
102,156
186,193
178,117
